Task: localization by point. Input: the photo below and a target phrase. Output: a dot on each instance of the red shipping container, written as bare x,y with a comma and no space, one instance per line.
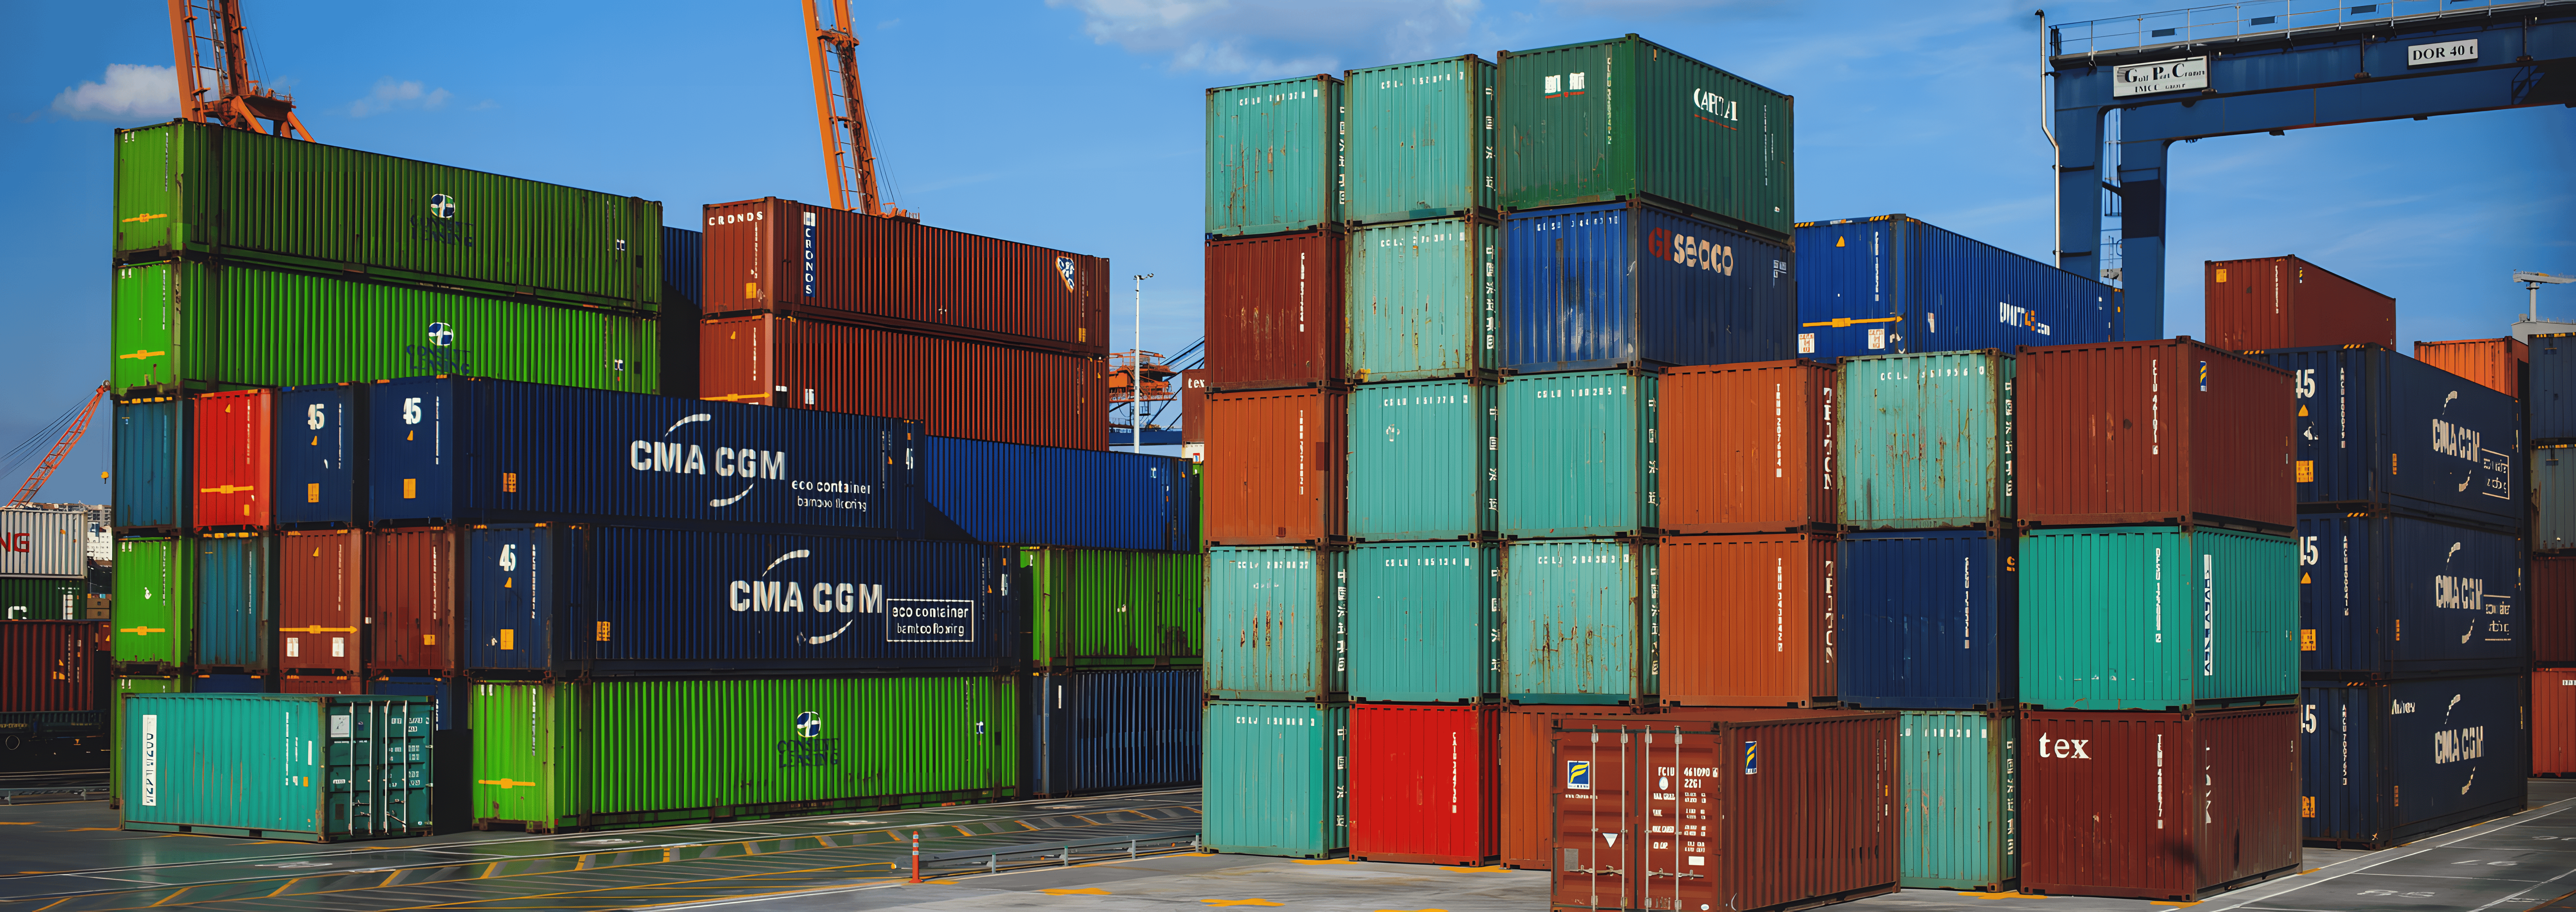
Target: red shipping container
2287,302
1747,447
1524,807
1275,469
1724,809
2170,430
49,666
2553,610
954,388
2553,722
236,440
1274,311
412,622
1422,783
1748,620
2503,365
1194,406
2162,806
321,577
321,684
772,255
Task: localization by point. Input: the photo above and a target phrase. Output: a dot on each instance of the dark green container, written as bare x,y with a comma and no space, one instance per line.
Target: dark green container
303,767
42,598
155,611
1629,119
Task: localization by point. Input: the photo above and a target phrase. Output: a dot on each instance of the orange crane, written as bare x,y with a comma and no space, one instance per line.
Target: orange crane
206,38
62,447
849,162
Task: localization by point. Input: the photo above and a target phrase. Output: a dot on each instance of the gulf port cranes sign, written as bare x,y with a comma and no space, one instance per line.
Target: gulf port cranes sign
2160,76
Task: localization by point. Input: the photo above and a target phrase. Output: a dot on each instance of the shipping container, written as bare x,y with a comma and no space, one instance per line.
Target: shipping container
229,684
43,544
1278,624
2163,806
232,459
2553,722
1424,300
951,387
2157,618
1737,809
1274,311
236,592
1422,460
1622,284
2551,610
1960,815
150,478
322,601
780,256
1090,608
116,751
2449,445
1421,140
1275,152
1927,441
1581,622
2226,461
662,752
1626,118
1579,455
1194,388
1751,620
1016,494
2287,302
1426,622
48,666
156,613
1527,757
319,435
2363,577
199,189
1423,782
1280,468
1277,779
336,685
519,610
446,696
333,769
44,599
2552,398
414,573
2384,763
1751,447
1889,284
2553,497
1104,731
682,280
2503,365
1929,619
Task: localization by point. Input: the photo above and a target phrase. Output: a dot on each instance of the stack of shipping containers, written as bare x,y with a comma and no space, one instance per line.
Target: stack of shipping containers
2548,372
53,687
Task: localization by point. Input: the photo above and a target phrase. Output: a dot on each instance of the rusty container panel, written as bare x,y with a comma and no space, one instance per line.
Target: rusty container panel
1423,783
2287,302
1580,621
1194,406
351,685
234,459
2161,806
771,255
412,622
2503,365
2553,722
1748,620
2168,430
1274,311
2553,609
1524,756
955,388
1748,447
49,666
321,598
1277,466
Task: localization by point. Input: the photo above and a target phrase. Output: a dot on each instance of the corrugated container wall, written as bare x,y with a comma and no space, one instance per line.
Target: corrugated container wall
1097,731
2553,497
235,588
1929,619
953,388
1426,622
1927,441
1274,311
446,701
1621,284
334,769
518,610
322,600
2287,302
1424,300
2502,364
1090,608
1275,152
2157,618
1017,494
116,752
1580,622
2158,806
1277,779
1579,455
1278,627
1748,620
47,666
44,544
1278,473
412,621
2552,402
1893,284
2377,427
2551,611
1193,395
156,612
150,479
1422,460
234,456
2381,764
229,683
2364,578
346,685
47,599
1529,771
1753,445
1960,813
1423,789
1625,118
2553,722
2159,431
683,252
318,437
1421,140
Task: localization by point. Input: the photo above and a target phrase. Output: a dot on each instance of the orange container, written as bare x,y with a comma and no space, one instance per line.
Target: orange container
2287,302
955,388
2159,431
411,624
1275,467
234,459
1748,620
2553,722
1747,447
1524,806
320,594
2503,365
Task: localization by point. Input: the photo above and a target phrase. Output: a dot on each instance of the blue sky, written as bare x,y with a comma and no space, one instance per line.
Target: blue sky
1077,123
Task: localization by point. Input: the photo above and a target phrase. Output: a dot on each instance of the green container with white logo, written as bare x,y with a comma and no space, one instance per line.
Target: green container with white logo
2158,618
1627,118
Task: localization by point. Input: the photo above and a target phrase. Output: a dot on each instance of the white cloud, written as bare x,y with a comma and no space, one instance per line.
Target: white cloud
390,94
1260,39
129,91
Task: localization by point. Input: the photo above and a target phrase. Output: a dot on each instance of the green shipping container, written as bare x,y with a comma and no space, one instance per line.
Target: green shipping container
1625,118
197,189
155,610
1926,440
1581,622
116,753
1423,300
1276,778
1422,140
1578,454
555,756
1274,156
199,327
324,768
1091,608
2158,618
1277,625
1960,817
1426,622
43,599
1422,460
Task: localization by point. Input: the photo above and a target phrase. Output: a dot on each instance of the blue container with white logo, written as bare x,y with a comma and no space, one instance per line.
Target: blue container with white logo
1621,284
2380,429
519,607
318,451
1928,619
2383,595
150,482
1017,494
2381,764
1892,284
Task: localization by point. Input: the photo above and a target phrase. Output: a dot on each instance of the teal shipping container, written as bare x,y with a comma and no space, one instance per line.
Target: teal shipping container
2553,497
1421,460
1276,779
1423,300
2158,618
1581,622
1277,628
1421,140
1927,440
1274,156
1959,820
236,600
150,477
1578,454
326,768
1426,622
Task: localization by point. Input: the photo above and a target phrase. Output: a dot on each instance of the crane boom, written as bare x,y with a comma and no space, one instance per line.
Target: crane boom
849,159
62,447
206,41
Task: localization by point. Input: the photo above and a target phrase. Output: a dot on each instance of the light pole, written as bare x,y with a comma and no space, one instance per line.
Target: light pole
1136,376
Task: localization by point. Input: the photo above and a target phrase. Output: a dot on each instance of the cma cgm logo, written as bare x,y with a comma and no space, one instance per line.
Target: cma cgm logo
1691,252
1714,104
809,747
2456,441
772,591
442,205
2023,317
690,459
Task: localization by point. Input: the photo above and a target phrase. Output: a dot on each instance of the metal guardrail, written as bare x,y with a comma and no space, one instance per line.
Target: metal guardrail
1061,854
2237,20
57,793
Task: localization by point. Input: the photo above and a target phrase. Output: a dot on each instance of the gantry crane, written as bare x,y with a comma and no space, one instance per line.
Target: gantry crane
849,161
62,447
206,38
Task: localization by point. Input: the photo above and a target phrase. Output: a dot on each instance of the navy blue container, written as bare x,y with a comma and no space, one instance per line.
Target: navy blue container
2553,387
1928,619
229,684
2381,764
2383,595
521,579
1016,494
1618,284
471,449
150,475
1891,284
445,697
683,262
318,450
2377,428
1100,731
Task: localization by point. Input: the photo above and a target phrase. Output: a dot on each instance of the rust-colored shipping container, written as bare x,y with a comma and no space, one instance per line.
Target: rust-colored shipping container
1193,406
1724,809
2161,806
321,684
1524,804
2503,365
49,666
412,622
1748,447
1423,783
2553,609
780,256
1275,467
1274,311
2553,722
2287,302
2169,430
954,388
1748,620
321,594
233,459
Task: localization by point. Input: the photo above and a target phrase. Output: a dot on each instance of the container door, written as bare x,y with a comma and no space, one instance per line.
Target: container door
316,454
154,611
510,612
413,619
321,598
1596,860
1680,808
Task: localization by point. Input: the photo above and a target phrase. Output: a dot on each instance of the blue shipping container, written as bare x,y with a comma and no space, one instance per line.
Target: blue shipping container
150,477
236,597
446,701
1618,284
2381,764
518,595
2553,386
1892,284
1928,619
1016,494
683,263
1098,731
318,443
228,684
2377,427
2388,595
